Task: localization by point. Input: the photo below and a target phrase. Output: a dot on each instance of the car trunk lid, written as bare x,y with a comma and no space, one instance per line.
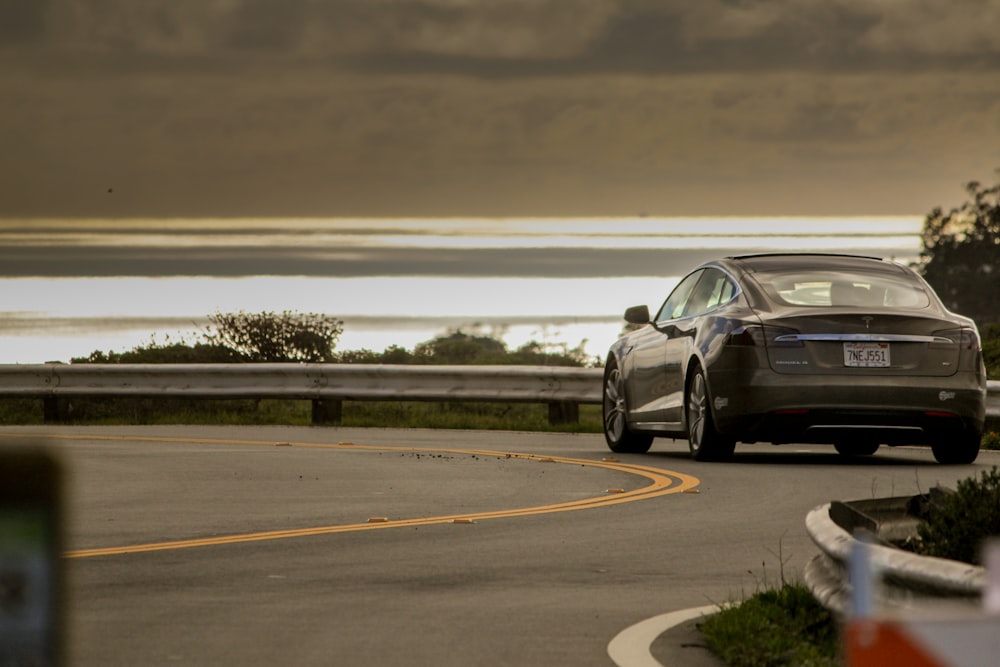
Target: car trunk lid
863,344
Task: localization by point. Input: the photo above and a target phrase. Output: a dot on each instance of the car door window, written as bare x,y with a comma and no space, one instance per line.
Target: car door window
673,307
714,289
697,303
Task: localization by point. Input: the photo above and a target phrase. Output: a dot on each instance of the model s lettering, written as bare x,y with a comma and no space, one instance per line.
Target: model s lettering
856,352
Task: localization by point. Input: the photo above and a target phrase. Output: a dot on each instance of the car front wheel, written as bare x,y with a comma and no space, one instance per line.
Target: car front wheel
619,437
705,442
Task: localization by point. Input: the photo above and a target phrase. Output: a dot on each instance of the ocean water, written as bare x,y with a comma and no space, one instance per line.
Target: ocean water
70,287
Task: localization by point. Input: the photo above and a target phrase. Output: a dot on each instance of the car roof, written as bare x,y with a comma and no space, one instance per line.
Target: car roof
812,261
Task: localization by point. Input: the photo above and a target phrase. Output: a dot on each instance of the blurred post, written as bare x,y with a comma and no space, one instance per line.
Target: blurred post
991,561
564,412
326,411
30,557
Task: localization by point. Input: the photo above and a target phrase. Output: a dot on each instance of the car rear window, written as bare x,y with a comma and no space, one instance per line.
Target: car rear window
840,289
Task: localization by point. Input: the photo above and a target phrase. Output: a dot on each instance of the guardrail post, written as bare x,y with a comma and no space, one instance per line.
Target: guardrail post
326,411
52,410
564,412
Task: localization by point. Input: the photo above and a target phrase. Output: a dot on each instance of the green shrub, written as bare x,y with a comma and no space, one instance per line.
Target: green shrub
774,628
956,526
276,337
165,353
991,440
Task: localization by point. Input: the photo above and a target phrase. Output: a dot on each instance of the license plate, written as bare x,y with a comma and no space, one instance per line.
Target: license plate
866,355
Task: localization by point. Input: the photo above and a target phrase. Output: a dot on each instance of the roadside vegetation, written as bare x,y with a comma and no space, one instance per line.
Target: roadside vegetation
311,338
289,336
779,626
274,412
961,254
957,525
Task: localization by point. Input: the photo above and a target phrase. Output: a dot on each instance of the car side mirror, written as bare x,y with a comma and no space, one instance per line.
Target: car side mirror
637,315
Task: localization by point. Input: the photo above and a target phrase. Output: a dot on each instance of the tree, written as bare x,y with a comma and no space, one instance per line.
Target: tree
961,254
461,348
276,337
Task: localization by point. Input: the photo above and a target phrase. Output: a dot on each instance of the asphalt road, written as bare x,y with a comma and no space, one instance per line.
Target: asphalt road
329,546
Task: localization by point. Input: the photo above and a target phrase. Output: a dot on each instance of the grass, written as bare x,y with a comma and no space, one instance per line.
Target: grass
374,414
779,627
474,416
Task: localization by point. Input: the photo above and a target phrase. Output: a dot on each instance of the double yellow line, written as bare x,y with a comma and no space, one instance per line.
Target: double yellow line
661,482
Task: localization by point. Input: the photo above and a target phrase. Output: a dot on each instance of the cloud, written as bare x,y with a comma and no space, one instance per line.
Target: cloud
709,36
21,21
268,25
499,107
490,38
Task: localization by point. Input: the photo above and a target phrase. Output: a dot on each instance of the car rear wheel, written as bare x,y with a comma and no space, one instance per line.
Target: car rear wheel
962,449
619,437
856,448
705,442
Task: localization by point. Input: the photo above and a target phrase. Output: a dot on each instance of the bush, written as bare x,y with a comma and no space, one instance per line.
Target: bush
460,348
991,350
276,337
956,526
394,354
783,626
239,338
167,353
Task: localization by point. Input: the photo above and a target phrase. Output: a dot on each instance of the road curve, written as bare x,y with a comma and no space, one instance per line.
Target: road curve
491,570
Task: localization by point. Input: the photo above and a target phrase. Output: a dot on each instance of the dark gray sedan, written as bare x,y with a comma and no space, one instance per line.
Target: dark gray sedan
851,351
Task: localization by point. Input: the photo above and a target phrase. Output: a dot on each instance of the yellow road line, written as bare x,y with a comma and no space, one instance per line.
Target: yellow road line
661,482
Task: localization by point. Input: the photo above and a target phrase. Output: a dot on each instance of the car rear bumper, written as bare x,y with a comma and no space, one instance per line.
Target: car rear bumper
767,407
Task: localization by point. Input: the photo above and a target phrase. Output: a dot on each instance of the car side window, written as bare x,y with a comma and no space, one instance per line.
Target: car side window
718,286
726,291
673,307
714,288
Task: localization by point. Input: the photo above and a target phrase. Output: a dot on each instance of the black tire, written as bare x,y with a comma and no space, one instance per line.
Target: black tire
705,443
619,436
856,448
960,450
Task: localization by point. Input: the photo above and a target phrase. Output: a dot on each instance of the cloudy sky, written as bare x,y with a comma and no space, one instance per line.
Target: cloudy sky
186,108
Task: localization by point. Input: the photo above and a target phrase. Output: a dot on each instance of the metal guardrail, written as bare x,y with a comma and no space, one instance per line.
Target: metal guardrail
327,385
908,580
993,400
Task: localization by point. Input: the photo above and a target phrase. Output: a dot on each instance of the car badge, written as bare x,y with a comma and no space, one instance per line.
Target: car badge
867,319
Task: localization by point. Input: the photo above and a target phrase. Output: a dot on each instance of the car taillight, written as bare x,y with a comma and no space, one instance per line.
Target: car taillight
755,335
970,340
966,339
746,336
